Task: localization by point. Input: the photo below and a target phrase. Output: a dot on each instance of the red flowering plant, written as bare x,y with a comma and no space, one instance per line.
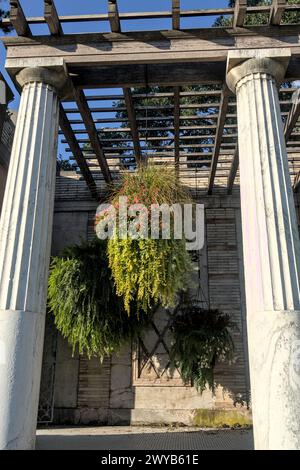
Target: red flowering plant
146,267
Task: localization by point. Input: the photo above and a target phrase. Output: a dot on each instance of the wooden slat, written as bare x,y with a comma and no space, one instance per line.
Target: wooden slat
277,11
176,14
233,171
113,16
293,115
51,18
176,124
77,152
154,129
133,123
154,138
218,139
240,11
153,95
92,133
18,19
141,15
150,108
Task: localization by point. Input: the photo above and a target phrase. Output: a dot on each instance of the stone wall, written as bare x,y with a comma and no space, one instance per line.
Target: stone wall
75,390
119,391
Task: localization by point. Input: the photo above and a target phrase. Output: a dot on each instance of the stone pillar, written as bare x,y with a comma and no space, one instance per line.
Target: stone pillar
25,239
271,248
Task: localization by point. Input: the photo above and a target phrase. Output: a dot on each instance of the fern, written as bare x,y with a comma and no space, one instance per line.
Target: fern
84,303
201,338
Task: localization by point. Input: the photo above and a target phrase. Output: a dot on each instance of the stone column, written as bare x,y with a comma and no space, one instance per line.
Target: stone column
271,248
25,239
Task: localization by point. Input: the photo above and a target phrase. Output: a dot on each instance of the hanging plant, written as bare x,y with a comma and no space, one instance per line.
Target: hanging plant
201,338
147,270
84,303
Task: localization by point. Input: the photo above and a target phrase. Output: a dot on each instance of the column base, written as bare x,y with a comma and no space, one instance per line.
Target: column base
21,346
274,354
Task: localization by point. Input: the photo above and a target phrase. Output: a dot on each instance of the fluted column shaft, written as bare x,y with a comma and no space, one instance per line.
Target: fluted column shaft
25,240
271,254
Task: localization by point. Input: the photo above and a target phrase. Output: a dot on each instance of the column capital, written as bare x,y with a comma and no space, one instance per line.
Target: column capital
43,70
271,62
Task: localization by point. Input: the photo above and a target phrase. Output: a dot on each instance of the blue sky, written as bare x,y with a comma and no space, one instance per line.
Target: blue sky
74,7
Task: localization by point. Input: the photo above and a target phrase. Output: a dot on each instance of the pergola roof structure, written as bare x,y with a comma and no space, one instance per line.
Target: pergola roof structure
196,128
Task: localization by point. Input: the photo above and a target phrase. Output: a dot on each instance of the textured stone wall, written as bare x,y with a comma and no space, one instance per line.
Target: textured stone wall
88,392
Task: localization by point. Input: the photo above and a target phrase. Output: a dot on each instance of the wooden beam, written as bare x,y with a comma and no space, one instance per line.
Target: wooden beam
176,124
277,11
219,134
208,47
176,14
18,19
77,152
293,115
233,170
131,76
113,16
240,11
92,133
157,46
144,96
51,18
155,138
142,15
114,109
133,123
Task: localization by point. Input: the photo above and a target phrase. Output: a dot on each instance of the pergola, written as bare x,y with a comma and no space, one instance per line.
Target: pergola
207,144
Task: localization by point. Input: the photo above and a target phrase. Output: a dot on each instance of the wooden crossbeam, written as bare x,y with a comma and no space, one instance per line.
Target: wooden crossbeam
152,108
293,115
92,133
155,138
51,18
195,117
142,15
154,129
240,11
133,123
233,170
277,11
176,124
167,147
176,14
219,133
18,19
113,16
77,152
155,95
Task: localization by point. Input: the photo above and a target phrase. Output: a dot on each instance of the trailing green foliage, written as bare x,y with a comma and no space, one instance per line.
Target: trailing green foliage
201,338
256,19
82,297
149,270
